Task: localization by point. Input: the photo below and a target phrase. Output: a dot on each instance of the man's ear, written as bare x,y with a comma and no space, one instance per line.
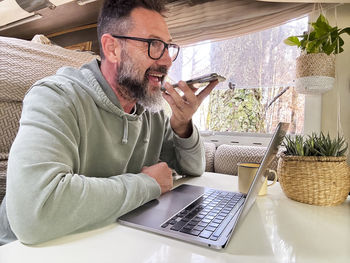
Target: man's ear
111,48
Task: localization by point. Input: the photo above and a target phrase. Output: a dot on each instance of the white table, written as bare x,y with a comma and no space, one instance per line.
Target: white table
276,229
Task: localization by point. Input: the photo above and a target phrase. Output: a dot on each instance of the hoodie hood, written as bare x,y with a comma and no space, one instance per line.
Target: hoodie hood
91,80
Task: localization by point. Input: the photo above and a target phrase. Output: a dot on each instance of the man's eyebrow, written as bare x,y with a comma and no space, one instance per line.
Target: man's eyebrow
157,37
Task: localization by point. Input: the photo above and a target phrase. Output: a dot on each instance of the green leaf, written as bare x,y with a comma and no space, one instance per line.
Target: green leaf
313,47
292,41
343,151
321,20
345,30
321,29
303,44
312,36
328,49
340,49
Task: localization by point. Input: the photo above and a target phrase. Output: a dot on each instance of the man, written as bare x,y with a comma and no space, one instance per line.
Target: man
93,143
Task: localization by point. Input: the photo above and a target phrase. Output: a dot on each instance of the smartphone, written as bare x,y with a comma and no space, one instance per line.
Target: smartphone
202,79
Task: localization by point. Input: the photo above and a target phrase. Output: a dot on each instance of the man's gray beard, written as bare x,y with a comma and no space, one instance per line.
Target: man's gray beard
132,87
154,102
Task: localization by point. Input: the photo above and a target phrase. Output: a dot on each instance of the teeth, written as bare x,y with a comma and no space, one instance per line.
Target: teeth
157,75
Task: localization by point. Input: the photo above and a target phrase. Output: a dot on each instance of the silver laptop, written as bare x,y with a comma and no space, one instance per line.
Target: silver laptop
202,215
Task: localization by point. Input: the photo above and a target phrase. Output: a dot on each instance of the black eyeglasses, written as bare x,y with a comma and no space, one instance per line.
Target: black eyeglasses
156,47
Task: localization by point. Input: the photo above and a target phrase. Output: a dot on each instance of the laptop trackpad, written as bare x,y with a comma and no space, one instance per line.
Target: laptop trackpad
156,212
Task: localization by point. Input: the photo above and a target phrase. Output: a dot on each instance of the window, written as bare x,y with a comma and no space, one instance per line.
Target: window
258,92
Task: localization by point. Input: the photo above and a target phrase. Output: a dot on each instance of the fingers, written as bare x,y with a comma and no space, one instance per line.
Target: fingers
162,165
192,87
189,96
206,91
182,110
183,107
174,98
189,92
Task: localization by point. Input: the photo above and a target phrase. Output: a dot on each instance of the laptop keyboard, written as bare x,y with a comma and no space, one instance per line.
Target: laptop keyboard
208,216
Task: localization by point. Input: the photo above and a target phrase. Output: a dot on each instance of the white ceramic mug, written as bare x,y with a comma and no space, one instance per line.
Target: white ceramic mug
246,174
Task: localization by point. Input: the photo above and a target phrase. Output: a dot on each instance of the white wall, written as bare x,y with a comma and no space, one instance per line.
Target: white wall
342,86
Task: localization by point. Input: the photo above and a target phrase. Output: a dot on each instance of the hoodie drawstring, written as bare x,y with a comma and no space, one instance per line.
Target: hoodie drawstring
147,131
125,132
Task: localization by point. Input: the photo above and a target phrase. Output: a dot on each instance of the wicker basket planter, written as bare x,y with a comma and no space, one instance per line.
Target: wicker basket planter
314,180
315,73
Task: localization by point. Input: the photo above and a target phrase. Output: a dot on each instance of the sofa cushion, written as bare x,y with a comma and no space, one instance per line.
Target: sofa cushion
10,113
209,156
228,156
22,63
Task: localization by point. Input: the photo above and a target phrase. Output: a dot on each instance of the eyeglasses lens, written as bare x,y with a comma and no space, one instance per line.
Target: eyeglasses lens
157,48
173,51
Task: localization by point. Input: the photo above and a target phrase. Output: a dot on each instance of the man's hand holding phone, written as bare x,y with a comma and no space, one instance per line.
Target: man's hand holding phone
184,106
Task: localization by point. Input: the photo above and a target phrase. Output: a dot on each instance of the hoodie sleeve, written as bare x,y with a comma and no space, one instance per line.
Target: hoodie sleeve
46,199
185,155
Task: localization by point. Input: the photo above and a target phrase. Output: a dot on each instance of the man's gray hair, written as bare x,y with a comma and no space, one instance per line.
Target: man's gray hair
115,16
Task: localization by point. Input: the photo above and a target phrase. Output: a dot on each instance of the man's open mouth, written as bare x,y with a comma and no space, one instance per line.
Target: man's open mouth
155,78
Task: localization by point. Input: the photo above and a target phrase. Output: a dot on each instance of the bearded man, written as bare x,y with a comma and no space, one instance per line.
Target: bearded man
94,143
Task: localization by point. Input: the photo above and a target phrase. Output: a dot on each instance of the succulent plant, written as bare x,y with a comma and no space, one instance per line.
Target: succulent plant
315,145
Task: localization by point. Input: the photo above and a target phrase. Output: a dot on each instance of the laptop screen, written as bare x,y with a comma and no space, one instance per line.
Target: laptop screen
260,176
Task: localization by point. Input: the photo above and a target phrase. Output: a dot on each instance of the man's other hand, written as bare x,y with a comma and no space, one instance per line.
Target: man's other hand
162,174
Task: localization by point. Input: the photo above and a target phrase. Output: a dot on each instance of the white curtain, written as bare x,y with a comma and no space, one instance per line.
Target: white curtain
222,19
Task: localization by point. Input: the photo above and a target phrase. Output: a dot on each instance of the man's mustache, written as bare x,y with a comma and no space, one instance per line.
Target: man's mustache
160,69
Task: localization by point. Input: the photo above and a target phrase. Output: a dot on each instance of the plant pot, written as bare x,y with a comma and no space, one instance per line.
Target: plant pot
314,180
315,73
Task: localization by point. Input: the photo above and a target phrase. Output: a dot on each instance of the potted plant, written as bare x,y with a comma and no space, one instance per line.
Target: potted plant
313,170
315,68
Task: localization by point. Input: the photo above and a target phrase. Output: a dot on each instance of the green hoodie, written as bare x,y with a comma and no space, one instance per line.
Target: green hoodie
75,163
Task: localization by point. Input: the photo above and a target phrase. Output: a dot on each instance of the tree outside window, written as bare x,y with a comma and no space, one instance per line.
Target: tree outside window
258,92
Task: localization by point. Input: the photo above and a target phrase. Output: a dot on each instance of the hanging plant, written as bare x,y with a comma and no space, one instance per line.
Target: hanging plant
315,68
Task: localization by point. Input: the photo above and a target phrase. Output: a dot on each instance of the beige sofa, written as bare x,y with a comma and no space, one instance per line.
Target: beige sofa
224,158
21,64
